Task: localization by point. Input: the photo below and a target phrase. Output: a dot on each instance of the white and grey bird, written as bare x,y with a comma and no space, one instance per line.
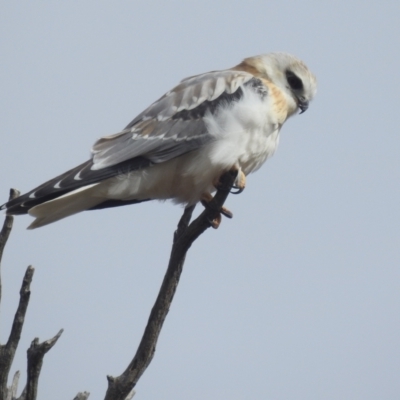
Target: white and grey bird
181,144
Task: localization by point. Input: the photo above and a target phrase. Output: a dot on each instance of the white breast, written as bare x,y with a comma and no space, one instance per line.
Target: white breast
247,133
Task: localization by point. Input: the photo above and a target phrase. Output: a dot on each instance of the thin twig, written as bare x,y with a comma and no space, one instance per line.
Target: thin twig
19,317
5,231
12,390
36,354
82,396
119,387
22,395
7,351
37,350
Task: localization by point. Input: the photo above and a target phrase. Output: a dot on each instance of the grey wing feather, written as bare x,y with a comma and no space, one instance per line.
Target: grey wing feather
173,125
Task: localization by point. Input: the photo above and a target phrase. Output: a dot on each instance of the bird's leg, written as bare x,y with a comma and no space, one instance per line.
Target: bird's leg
240,181
206,199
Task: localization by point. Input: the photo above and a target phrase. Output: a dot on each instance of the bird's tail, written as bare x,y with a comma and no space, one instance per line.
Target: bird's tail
71,192
71,203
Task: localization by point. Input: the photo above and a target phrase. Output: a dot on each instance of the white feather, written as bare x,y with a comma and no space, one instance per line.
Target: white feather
64,206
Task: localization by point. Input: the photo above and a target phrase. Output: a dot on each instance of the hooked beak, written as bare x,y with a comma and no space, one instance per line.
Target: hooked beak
302,104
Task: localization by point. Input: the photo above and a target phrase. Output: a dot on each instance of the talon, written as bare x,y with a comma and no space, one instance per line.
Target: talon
215,223
238,191
206,198
240,182
226,212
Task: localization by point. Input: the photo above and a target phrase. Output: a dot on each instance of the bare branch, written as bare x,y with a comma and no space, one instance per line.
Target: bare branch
23,395
18,322
37,350
82,396
12,390
36,354
7,351
120,387
5,231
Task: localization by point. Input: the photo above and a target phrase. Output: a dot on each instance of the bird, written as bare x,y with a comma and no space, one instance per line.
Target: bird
178,148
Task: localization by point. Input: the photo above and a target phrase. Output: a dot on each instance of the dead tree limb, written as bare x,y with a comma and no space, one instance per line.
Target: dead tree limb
120,387
5,231
12,390
36,351
7,351
82,396
36,354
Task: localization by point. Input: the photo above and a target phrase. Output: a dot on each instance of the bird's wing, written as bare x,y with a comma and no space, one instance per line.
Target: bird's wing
173,125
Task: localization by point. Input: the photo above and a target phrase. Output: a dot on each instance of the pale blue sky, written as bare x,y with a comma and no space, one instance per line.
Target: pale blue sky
296,297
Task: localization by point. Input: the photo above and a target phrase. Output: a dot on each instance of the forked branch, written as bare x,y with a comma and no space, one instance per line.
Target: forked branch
120,387
37,350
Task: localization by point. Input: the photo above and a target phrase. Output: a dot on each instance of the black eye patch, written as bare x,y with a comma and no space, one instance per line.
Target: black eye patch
294,81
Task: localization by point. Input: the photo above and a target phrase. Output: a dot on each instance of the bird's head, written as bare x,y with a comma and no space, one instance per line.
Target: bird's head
289,73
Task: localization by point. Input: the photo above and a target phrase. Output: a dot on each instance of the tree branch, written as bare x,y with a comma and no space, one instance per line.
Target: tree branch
36,351
12,390
5,231
82,396
120,387
36,354
7,351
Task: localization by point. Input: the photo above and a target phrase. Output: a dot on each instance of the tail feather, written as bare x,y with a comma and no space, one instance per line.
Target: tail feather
78,177
71,203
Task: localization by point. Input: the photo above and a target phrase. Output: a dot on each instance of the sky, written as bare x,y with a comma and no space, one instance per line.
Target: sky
296,297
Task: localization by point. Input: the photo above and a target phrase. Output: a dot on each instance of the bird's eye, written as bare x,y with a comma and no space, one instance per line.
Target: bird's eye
294,81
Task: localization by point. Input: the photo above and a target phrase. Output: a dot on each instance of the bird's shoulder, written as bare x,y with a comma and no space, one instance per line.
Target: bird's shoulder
201,92
175,123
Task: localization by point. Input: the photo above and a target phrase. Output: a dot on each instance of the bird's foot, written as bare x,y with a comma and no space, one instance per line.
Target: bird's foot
238,185
207,203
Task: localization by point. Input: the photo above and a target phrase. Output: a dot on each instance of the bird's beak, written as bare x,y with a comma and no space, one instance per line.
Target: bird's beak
303,104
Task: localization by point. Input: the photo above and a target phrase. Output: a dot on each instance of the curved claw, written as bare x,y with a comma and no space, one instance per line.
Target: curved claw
237,191
215,223
240,183
206,201
227,213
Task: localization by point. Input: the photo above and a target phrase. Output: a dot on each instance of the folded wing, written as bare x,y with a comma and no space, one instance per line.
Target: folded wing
174,124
